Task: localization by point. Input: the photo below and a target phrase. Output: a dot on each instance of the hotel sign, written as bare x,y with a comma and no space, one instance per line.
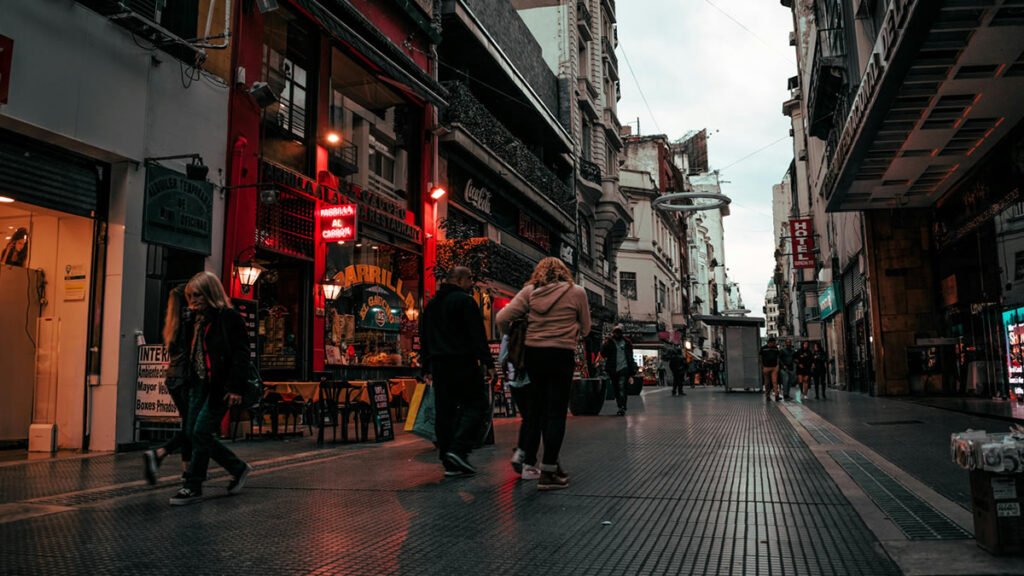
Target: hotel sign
802,241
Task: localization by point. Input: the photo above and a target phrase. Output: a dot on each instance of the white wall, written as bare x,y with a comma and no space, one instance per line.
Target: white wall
79,81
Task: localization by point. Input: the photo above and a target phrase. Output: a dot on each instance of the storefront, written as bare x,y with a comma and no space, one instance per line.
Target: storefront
52,212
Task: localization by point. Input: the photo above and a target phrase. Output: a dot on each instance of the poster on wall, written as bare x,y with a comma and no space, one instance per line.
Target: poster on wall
1013,325
74,282
152,400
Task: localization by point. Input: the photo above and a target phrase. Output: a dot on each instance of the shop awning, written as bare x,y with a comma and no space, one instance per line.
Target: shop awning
730,320
391,64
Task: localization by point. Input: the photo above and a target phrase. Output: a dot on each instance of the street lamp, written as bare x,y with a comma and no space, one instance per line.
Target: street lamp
331,291
248,273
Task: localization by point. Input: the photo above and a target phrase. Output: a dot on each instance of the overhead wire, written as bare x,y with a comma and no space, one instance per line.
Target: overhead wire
639,89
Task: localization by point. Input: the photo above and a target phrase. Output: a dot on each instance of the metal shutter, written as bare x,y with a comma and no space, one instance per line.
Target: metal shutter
45,176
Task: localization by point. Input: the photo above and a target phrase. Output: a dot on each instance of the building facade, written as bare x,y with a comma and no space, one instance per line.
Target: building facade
912,133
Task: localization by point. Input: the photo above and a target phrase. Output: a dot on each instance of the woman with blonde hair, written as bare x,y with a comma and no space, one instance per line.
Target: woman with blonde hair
218,362
558,315
176,334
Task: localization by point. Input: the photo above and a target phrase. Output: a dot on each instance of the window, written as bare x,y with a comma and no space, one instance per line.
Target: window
587,141
627,285
585,242
287,56
659,295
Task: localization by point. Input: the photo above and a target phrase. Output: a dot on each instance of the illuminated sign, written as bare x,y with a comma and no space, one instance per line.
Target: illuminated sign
338,223
802,240
1013,325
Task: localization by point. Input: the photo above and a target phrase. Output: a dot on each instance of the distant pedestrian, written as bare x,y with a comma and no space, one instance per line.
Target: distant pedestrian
619,365
677,365
218,362
693,370
456,357
787,364
662,371
804,361
558,316
820,370
176,334
770,368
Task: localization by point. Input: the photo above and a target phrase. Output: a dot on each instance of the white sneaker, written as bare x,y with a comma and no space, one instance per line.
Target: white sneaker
530,472
518,456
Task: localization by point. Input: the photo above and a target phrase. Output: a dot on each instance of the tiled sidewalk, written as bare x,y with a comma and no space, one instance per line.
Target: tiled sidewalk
712,483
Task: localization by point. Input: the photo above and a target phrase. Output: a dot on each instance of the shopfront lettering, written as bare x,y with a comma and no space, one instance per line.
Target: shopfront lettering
478,197
357,274
338,223
178,211
271,173
533,231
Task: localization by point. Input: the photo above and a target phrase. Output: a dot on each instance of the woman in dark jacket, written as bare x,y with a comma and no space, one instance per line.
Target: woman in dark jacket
177,330
820,367
218,360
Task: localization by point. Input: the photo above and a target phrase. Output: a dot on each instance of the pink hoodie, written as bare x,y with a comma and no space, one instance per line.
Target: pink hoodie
559,315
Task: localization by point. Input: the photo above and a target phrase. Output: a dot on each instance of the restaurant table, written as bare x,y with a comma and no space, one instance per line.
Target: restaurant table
288,392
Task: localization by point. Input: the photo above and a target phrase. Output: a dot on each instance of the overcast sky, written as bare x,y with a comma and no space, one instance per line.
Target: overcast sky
700,69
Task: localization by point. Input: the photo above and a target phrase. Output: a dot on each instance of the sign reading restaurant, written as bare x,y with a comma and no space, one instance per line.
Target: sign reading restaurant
373,208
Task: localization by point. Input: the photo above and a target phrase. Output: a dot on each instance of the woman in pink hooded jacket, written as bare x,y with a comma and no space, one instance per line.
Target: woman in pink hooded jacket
558,315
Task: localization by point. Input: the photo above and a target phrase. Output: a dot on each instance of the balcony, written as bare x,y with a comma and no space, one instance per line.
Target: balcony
465,111
609,5
587,96
828,87
584,20
613,128
590,171
165,27
488,259
343,161
609,51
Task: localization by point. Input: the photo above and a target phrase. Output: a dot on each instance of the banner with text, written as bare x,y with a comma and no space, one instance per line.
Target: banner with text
152,400
802,240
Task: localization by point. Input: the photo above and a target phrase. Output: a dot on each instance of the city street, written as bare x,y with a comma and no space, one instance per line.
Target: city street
712,483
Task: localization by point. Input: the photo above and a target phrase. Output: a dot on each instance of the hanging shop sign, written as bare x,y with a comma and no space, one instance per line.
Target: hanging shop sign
338,223
178,212
358,274
568,254
828,304
152,399
802,241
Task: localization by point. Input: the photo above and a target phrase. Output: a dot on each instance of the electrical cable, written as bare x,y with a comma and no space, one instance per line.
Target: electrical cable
639,89
751,32
754,153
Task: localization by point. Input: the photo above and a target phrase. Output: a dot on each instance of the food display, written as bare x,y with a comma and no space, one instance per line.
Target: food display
979,450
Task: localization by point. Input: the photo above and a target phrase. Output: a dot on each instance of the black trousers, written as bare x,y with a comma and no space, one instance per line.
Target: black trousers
551,371
180,440
460,404
620,380
206,411
527,422
819,383
678,380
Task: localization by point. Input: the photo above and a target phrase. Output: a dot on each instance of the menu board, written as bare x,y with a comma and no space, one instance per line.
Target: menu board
247,308
379,401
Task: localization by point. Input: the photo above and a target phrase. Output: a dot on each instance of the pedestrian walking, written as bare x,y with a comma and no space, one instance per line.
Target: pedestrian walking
218,366
517,381
770,368
692,370
677,365
456,359
619,365
786,364
177,330
819,370
558,315
804,361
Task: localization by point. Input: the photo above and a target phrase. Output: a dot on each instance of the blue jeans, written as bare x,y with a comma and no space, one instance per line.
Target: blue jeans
206,413
788,377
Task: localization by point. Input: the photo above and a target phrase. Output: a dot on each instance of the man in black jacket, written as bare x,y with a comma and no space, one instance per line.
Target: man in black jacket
619,364
455,356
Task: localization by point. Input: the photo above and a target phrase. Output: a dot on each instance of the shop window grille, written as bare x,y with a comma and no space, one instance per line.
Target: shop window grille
286,226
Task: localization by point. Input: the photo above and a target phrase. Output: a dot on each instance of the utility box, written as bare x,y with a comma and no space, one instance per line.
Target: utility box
42,438
996,501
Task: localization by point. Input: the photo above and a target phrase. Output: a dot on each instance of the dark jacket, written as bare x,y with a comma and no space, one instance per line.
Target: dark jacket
820,362
609,350
228,358
177,353
804,359
769,356
677,364
787,356
451,325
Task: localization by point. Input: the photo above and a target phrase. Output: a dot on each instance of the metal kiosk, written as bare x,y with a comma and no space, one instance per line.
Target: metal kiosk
742,366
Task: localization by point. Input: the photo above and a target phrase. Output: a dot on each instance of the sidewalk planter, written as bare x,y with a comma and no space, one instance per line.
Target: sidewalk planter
586,397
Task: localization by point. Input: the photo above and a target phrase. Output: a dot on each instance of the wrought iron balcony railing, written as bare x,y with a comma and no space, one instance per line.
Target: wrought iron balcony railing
464,109
590,171
488,260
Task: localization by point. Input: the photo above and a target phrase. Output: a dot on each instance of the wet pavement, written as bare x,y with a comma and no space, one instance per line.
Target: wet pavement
711,483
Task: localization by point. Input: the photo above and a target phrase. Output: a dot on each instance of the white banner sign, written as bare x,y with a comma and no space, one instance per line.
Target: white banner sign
152,400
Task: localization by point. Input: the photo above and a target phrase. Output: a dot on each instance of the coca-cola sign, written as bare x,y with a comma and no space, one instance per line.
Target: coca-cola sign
478,197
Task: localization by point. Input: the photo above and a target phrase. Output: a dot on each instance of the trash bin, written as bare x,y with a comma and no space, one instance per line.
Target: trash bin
996,502
586,397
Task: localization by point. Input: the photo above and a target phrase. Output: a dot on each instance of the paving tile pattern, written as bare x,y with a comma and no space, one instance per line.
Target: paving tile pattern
706,484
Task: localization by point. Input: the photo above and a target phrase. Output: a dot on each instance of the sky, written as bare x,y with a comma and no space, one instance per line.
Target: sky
720,65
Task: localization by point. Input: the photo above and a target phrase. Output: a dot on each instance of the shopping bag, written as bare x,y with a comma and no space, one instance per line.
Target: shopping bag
424,423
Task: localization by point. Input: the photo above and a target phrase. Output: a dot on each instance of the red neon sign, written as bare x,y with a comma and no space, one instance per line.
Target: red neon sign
338,223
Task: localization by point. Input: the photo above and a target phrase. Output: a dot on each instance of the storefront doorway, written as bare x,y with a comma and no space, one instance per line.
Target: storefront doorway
284,311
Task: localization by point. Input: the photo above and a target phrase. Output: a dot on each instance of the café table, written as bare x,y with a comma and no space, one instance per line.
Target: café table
287,393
